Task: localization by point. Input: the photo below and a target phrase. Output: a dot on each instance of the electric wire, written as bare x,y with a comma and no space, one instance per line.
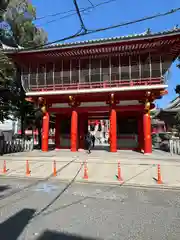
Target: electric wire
74,12
79,16
80,33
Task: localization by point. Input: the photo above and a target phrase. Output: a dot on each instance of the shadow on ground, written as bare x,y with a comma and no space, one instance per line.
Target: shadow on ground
47,235
3,188
12,228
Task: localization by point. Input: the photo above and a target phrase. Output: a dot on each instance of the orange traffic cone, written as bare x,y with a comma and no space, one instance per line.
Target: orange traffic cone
85,171
54,169
4,167
27,168
159,179
119,177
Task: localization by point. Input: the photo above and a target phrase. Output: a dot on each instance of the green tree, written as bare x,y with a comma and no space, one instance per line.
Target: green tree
19,16
20,30
7,73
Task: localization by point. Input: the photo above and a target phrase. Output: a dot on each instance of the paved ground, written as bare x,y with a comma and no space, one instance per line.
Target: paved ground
103,154
53,210
136,169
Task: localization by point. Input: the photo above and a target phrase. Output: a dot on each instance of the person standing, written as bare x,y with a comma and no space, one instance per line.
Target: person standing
93,140
89,142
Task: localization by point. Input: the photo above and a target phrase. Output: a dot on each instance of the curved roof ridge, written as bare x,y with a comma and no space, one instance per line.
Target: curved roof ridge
174,103
145,34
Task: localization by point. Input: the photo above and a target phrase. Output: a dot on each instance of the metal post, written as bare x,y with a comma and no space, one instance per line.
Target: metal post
161,70
22,77
45,75
130,67
100,71
150,66
62,72
37,75
79,71
140,67
119,67
70,72
29,77
53,75
89,70
110,70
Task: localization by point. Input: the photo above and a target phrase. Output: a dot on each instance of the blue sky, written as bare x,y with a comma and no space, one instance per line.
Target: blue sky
113,13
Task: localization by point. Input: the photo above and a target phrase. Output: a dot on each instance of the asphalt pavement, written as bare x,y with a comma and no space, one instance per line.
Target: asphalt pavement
36,209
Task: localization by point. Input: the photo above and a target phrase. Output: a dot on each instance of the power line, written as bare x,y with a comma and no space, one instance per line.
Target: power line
172,11
79,16
72,10
55,14
83,10
91,3
80,33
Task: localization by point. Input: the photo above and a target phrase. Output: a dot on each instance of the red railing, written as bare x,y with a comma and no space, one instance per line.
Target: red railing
94,85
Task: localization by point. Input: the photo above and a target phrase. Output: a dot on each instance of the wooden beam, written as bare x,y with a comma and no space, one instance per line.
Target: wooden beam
98,109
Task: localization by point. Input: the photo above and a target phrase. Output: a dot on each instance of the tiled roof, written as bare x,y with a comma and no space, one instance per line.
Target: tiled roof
144,35
173,105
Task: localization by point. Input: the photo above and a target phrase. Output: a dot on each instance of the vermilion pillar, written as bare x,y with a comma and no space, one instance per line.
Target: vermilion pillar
57,131
74,130
45,132
147,133
140,134
113,131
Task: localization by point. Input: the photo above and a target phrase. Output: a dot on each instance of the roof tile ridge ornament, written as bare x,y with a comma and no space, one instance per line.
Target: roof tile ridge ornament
176,28
148,32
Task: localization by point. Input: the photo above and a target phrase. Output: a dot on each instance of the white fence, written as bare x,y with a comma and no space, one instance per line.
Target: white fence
174,145
18,145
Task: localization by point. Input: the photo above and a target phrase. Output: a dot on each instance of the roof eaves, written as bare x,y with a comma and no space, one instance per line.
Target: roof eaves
96,41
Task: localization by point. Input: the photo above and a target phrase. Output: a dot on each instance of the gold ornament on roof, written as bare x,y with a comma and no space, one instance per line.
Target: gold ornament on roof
43,109
72,100
112,98
148,94
147,105
163,92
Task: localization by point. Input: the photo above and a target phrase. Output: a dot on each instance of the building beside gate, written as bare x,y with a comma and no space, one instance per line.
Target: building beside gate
115,78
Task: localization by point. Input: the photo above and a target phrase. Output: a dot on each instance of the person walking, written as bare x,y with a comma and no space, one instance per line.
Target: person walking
89,142
93,140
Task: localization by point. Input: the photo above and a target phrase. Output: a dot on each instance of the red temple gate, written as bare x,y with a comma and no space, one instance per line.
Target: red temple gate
116,79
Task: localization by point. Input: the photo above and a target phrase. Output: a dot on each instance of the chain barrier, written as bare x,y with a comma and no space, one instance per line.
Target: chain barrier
174,145
18,145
